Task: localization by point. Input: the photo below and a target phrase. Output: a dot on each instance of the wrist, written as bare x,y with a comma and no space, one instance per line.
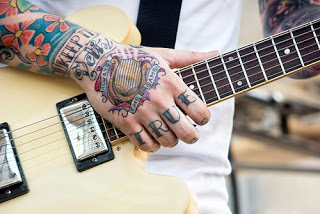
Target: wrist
81,55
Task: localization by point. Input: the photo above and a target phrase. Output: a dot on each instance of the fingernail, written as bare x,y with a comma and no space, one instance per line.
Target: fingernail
204,121
194,140
175,144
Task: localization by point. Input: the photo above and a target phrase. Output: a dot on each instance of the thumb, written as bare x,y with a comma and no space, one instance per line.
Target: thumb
180,58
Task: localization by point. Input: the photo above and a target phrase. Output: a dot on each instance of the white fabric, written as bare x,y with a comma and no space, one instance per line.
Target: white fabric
204,25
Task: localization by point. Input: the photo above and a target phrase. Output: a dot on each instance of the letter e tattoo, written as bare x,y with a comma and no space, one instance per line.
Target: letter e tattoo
184,98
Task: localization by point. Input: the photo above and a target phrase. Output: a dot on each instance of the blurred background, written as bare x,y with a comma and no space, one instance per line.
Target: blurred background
275,150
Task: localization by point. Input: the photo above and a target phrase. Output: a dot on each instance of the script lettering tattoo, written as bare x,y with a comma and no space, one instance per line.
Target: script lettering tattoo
280,15
157,128
169,116
184,98
138,137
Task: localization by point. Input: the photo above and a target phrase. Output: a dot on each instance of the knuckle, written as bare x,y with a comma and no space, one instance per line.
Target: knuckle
159,101
148,147
168,142
187,134
200,112
127,123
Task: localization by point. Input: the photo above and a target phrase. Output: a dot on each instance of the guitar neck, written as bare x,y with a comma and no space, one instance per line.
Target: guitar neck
254,65
230,74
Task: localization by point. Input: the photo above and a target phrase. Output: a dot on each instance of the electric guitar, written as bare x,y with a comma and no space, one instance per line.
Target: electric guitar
75,161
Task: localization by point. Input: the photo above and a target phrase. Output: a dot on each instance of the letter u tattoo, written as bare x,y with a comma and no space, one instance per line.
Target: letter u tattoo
169,116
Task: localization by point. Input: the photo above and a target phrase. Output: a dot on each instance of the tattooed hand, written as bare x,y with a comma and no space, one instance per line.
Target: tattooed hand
136,90
133,87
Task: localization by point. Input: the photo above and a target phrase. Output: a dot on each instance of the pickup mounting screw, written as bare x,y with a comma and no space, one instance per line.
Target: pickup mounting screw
8,192
94,160
74,100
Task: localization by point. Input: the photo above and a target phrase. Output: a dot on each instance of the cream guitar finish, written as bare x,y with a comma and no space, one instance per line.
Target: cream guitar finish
119,186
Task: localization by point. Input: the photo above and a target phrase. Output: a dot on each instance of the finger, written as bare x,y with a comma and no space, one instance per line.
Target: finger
180,125
181,58
189,102
142,139
160,131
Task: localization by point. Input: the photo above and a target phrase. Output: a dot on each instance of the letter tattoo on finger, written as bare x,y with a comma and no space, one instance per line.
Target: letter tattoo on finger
169,116
156,129
184,98
137,135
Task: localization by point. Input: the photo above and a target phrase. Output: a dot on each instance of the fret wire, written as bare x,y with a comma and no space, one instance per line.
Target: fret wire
243,69
212,80
226,70
115,131
260,63
296,46
200,90
255,59
268,69
104,124
284,32
109,129
254,67
179,73
182,69
315,35
277,53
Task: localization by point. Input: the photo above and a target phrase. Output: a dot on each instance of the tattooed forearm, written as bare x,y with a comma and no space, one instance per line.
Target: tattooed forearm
32,35
281,15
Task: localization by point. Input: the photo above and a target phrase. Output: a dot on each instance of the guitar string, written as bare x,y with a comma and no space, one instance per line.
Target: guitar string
188,83
55,116
247,62
111,128
181,70
264,48
244,78
67,145
43,162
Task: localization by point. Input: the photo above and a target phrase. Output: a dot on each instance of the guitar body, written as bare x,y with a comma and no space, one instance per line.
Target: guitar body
118,186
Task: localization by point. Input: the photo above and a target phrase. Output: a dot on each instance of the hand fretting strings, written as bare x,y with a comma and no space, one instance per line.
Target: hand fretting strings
201,71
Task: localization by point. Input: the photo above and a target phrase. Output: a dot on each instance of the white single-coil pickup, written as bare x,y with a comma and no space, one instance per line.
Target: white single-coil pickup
83,130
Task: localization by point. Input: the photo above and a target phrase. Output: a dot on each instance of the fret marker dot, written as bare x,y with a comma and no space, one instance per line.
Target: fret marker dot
239,83
191,87
287,51
230,58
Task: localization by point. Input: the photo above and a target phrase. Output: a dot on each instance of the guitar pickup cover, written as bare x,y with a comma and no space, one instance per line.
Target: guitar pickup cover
12,180
83,129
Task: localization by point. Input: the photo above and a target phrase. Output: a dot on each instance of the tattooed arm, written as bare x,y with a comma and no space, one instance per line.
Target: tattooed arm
132,87
281,15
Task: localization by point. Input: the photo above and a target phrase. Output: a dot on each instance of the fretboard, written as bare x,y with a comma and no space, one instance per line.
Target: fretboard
254,65
246,68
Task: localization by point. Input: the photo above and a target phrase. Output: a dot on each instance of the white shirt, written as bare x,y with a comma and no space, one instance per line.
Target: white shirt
204,25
